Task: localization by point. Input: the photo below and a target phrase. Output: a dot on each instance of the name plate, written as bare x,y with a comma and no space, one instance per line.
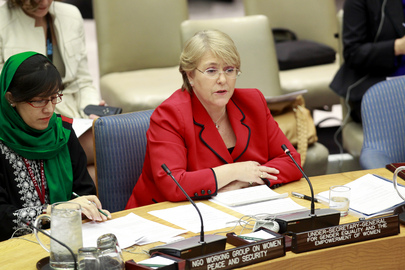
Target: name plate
345,234
240,256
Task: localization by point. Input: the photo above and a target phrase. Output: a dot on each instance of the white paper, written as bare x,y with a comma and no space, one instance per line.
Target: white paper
80,126
156,262
273,207
129,230
371,195
186,217
248,195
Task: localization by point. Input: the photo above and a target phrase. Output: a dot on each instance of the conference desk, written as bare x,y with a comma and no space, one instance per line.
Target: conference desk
383,253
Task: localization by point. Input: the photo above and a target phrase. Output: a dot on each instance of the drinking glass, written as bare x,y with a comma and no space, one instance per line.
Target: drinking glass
87,259
339,199
66,226
110,252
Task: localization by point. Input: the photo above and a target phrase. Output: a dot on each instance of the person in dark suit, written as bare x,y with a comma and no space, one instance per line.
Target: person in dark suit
212,136
374,48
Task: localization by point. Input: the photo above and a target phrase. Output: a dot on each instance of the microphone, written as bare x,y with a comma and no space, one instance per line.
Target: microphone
166,169
193,246
26,222
307,220
287,151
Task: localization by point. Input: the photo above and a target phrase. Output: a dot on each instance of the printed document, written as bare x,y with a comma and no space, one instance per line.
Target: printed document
272,207
186,216
248,195
371,195
129,230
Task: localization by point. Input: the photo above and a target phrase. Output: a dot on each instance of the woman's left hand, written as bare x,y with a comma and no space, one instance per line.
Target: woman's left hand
90,208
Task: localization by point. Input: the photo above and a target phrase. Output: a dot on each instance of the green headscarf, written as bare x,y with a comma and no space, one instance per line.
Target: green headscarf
49,144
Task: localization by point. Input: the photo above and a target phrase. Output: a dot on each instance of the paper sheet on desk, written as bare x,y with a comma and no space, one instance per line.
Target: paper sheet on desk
80,126
129,230
273,207
248,195
370,195
186,217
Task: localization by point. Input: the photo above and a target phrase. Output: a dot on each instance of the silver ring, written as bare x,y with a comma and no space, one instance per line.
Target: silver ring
250,183
262,176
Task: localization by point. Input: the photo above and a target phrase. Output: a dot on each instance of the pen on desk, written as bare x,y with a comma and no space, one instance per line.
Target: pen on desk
101,211
302,196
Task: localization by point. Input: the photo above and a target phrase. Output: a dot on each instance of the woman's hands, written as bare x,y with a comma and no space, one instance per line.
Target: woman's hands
243,174
90,208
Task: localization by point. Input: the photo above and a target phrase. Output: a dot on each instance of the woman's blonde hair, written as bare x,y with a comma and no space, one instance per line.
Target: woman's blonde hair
214,41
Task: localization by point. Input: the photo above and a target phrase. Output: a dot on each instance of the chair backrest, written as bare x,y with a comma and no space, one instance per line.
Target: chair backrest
120,145
254,41
310,19
383,111
138,34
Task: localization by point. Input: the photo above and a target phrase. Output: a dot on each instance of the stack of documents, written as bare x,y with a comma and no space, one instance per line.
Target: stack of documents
129,230
371,195
257,200
248,195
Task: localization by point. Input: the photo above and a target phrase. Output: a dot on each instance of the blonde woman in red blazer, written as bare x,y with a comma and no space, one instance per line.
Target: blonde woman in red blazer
212,136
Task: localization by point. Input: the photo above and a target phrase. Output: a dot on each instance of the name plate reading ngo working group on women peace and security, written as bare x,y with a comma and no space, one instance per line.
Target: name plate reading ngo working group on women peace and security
345,234
240,256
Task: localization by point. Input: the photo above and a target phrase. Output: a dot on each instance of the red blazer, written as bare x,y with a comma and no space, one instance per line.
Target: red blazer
183,136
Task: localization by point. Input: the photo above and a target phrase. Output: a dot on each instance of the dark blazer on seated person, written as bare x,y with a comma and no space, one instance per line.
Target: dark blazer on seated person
183,136
368,61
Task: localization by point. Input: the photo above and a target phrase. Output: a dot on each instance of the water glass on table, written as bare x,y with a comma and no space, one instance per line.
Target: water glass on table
339,199
66,226
87,259
110,254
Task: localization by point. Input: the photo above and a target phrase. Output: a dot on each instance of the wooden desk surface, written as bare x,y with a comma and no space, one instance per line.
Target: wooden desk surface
382,253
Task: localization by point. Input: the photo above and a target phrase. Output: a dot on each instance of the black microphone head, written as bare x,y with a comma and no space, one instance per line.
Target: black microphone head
166,169
285,149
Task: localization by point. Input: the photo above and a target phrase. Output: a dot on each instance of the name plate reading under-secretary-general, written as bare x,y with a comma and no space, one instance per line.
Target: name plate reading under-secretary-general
345,234
240,256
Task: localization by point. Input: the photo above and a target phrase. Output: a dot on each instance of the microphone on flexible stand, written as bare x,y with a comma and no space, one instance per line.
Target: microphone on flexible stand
26,222
166,169
287,151
193,246
307,220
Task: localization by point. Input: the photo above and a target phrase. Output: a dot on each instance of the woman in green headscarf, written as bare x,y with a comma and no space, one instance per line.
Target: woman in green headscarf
41,160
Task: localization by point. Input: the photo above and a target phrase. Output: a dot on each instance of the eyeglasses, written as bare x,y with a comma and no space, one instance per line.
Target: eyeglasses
213,73
43,102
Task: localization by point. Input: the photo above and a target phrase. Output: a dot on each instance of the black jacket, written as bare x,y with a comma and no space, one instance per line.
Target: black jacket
368,59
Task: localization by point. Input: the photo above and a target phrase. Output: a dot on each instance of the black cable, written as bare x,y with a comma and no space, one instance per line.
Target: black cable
53,238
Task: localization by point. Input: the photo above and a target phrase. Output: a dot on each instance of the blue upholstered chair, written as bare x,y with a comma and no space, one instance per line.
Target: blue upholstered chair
383,116
120,144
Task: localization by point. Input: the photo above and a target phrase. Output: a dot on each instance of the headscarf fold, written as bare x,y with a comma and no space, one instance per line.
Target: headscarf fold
49,144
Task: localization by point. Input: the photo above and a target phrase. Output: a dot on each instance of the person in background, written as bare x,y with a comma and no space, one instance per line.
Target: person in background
41,159
212,136
373,48
54,29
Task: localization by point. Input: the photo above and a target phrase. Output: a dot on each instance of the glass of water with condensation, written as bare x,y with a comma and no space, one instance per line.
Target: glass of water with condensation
339,199
66,226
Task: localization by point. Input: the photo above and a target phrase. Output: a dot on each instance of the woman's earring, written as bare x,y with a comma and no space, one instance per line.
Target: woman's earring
191,83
